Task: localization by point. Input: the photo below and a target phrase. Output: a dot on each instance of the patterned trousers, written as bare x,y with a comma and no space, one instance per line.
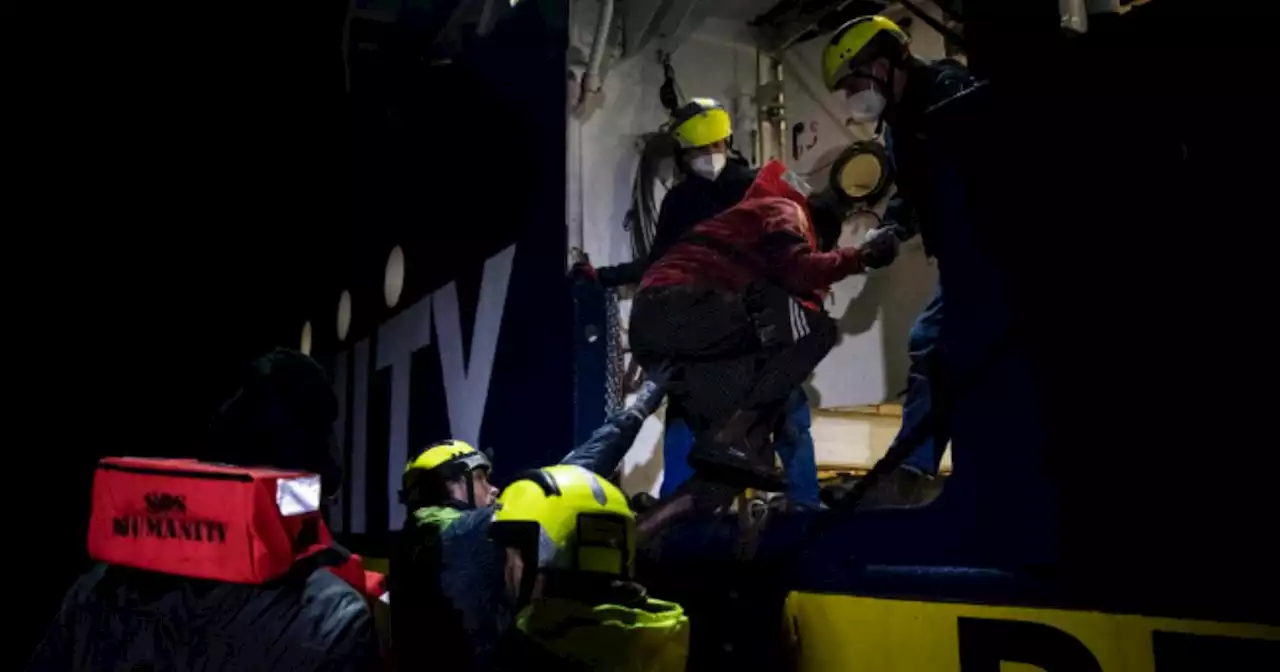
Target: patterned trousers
736,351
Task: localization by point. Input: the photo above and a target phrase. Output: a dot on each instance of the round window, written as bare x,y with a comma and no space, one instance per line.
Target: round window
393,280
305,343
344,315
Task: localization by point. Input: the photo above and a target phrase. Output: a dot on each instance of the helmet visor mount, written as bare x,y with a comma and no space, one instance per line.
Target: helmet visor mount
427,486
470,464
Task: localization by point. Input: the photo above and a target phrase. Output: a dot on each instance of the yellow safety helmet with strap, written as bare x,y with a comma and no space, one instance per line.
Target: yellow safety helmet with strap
858,40
700,122
571,519
426,476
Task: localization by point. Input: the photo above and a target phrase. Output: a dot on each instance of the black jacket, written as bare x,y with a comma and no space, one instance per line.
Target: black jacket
115,618
691,201
927,86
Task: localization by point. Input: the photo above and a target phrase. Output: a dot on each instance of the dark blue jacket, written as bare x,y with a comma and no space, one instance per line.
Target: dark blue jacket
117,618
914,205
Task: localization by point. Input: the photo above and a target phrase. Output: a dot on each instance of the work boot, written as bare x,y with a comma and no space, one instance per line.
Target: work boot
904,486
739,454
731,466
737,427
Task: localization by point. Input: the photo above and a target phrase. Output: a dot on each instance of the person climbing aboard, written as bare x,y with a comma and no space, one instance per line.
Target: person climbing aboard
714,179
734,305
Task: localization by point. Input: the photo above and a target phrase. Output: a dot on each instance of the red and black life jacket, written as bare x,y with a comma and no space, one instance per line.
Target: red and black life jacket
212,521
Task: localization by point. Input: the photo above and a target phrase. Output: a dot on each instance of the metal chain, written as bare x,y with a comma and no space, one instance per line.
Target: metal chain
616,371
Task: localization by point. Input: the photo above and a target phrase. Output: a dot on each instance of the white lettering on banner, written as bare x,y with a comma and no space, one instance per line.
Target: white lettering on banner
466,379
467,387
398,339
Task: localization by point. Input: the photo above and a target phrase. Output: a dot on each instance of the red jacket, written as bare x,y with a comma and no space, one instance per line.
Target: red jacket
769,234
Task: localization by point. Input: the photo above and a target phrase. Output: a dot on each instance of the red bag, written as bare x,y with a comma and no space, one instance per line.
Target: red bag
206,521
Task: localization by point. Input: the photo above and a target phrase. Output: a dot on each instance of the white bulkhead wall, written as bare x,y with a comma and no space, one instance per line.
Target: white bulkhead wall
719,60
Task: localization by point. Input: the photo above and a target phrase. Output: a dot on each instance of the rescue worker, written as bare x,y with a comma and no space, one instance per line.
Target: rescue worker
869,60
569,543
734,303
118,618
711,181
446,574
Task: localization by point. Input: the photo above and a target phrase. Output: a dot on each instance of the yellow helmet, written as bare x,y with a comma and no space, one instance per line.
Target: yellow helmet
700,122
426,475
848,46
571,518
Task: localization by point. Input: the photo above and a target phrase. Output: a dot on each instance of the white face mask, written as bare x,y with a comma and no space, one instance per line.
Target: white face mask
708,166
866,106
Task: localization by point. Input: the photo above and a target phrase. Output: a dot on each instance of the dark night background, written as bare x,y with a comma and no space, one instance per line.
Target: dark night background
182,193
178,172
186,179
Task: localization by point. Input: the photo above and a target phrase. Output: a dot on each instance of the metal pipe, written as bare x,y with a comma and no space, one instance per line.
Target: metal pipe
947,33
1074,15
591,80
780,109
761,141
486,18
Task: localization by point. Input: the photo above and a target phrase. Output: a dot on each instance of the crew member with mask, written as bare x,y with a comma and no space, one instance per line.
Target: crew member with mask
869,60
568,540
711,181
448,605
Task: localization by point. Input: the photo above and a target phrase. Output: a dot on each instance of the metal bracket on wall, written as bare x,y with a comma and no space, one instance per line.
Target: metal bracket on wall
771,108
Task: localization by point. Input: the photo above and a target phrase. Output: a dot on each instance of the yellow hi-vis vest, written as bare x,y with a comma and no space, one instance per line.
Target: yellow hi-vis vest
651,638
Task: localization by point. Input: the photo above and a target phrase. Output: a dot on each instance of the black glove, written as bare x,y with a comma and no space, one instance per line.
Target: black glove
643,501
583,271
829,214
880,247
651,393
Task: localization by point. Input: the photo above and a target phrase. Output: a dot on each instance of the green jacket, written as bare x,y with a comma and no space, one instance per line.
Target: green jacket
449,602
651,637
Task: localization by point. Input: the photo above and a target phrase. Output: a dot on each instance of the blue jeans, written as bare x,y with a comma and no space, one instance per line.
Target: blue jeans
923,384
794,446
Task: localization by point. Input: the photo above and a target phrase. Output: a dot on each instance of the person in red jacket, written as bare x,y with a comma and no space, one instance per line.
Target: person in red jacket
736,304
